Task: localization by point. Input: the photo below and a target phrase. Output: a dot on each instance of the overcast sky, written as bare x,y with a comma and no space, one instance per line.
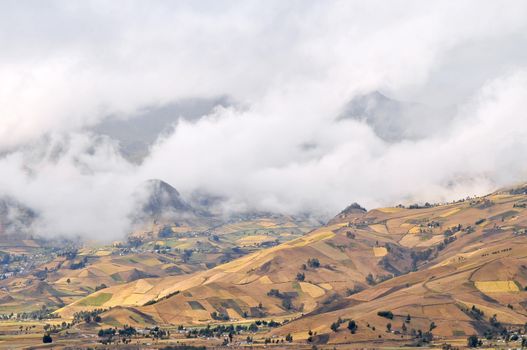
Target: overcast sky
289,68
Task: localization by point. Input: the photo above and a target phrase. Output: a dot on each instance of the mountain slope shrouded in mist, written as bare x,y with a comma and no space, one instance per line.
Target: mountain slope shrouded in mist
138,133
15,218
395,121
163,199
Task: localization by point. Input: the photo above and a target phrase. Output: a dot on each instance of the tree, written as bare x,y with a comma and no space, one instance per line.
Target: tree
313,263
408,318
432,326
287,304
46,339
289,338
335,326
389,327
473,341
300,277
352,326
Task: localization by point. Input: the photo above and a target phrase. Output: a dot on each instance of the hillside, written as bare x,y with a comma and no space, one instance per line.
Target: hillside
436,263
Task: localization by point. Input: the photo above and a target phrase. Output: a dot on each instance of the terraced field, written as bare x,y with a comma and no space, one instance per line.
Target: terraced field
404,276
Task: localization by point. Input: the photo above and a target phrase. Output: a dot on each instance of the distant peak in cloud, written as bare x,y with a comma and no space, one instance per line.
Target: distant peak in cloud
136,133
394,120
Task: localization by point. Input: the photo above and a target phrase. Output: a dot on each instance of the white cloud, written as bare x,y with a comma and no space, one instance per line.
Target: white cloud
292,66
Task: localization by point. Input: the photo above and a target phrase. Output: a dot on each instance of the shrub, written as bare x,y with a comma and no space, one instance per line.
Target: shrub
473,341
480,221
386,314
352,326
46,339
313,263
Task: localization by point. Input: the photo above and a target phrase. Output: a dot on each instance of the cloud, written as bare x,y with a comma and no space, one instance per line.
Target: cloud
291,68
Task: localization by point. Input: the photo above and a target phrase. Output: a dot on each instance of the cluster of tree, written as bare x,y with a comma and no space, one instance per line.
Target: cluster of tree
100,286
187,254
221,331
166,232
446,241
452,230
229,330
68,253
124,335
354,290
270,324
276,341
475,312
219,316
49,329
300,276
473,341
7,258
108,332
134,241
352,325
386,314
183,347
422,337
127,331
154,301
161,249
423,255
313,263
287,302
336,325
417,206
79,264
42,314
88,316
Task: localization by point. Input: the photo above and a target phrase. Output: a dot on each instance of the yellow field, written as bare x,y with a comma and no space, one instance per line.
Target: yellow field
265,280
380,251
414,230
103,253
312,290
450,212
497,286
142,286
326,286
390,210
150,261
